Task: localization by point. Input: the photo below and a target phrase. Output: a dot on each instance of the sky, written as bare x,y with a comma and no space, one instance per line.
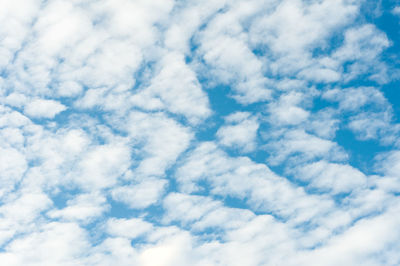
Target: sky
201,133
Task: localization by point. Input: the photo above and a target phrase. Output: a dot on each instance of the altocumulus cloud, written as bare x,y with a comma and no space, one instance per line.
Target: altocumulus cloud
170,132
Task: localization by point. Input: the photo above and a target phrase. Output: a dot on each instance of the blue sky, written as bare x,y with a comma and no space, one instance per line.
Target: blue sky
230,132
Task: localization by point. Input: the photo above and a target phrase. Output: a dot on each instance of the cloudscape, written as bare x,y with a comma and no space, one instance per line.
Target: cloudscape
199,133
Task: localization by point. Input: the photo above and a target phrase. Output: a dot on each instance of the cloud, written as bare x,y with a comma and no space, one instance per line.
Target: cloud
352,99
396,10
286,111
142,195
83,208
240,178
184,98
389,163
338,178
40,108
199,213
131,228
102,165
240,132
67,239
225,55
12,167
170,132
158,151
302,146
362,48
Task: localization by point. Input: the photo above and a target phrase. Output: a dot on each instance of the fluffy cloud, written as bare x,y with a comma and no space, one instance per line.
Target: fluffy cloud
167,132
337,178
39,108
179,98
240,131
142,195
12,167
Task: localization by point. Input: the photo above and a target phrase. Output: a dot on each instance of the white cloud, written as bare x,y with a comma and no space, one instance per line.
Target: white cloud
352,99
321,74
301,146
67,243
324,123
177,36
142,195
240,131
364,43
298,25
83,208
371,125
12,167
287,111
360,244
184,97
247,181
18,21
225,55
292,29
171,251
21,212
201,213
163,140
338,178
370,113
396,10
25,207
161,98
102,165
389,163
12,137
224,47
39,108
130,228
362,48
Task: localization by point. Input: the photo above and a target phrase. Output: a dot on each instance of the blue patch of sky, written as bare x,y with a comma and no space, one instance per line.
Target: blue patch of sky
241,203
152,213
121,210
362,152
222,105
139,241
143,73
62,195
390,24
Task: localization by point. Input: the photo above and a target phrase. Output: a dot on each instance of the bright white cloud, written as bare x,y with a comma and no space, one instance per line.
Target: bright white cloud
184,98
130,228
102,166
240,131
165,132
12,167
142,195
83,208
301,146
338,178
287,111
41,108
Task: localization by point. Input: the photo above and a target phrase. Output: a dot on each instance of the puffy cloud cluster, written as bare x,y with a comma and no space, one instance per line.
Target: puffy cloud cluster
118,147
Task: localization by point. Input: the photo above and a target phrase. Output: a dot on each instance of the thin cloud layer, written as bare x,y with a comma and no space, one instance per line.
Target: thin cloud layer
162,133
